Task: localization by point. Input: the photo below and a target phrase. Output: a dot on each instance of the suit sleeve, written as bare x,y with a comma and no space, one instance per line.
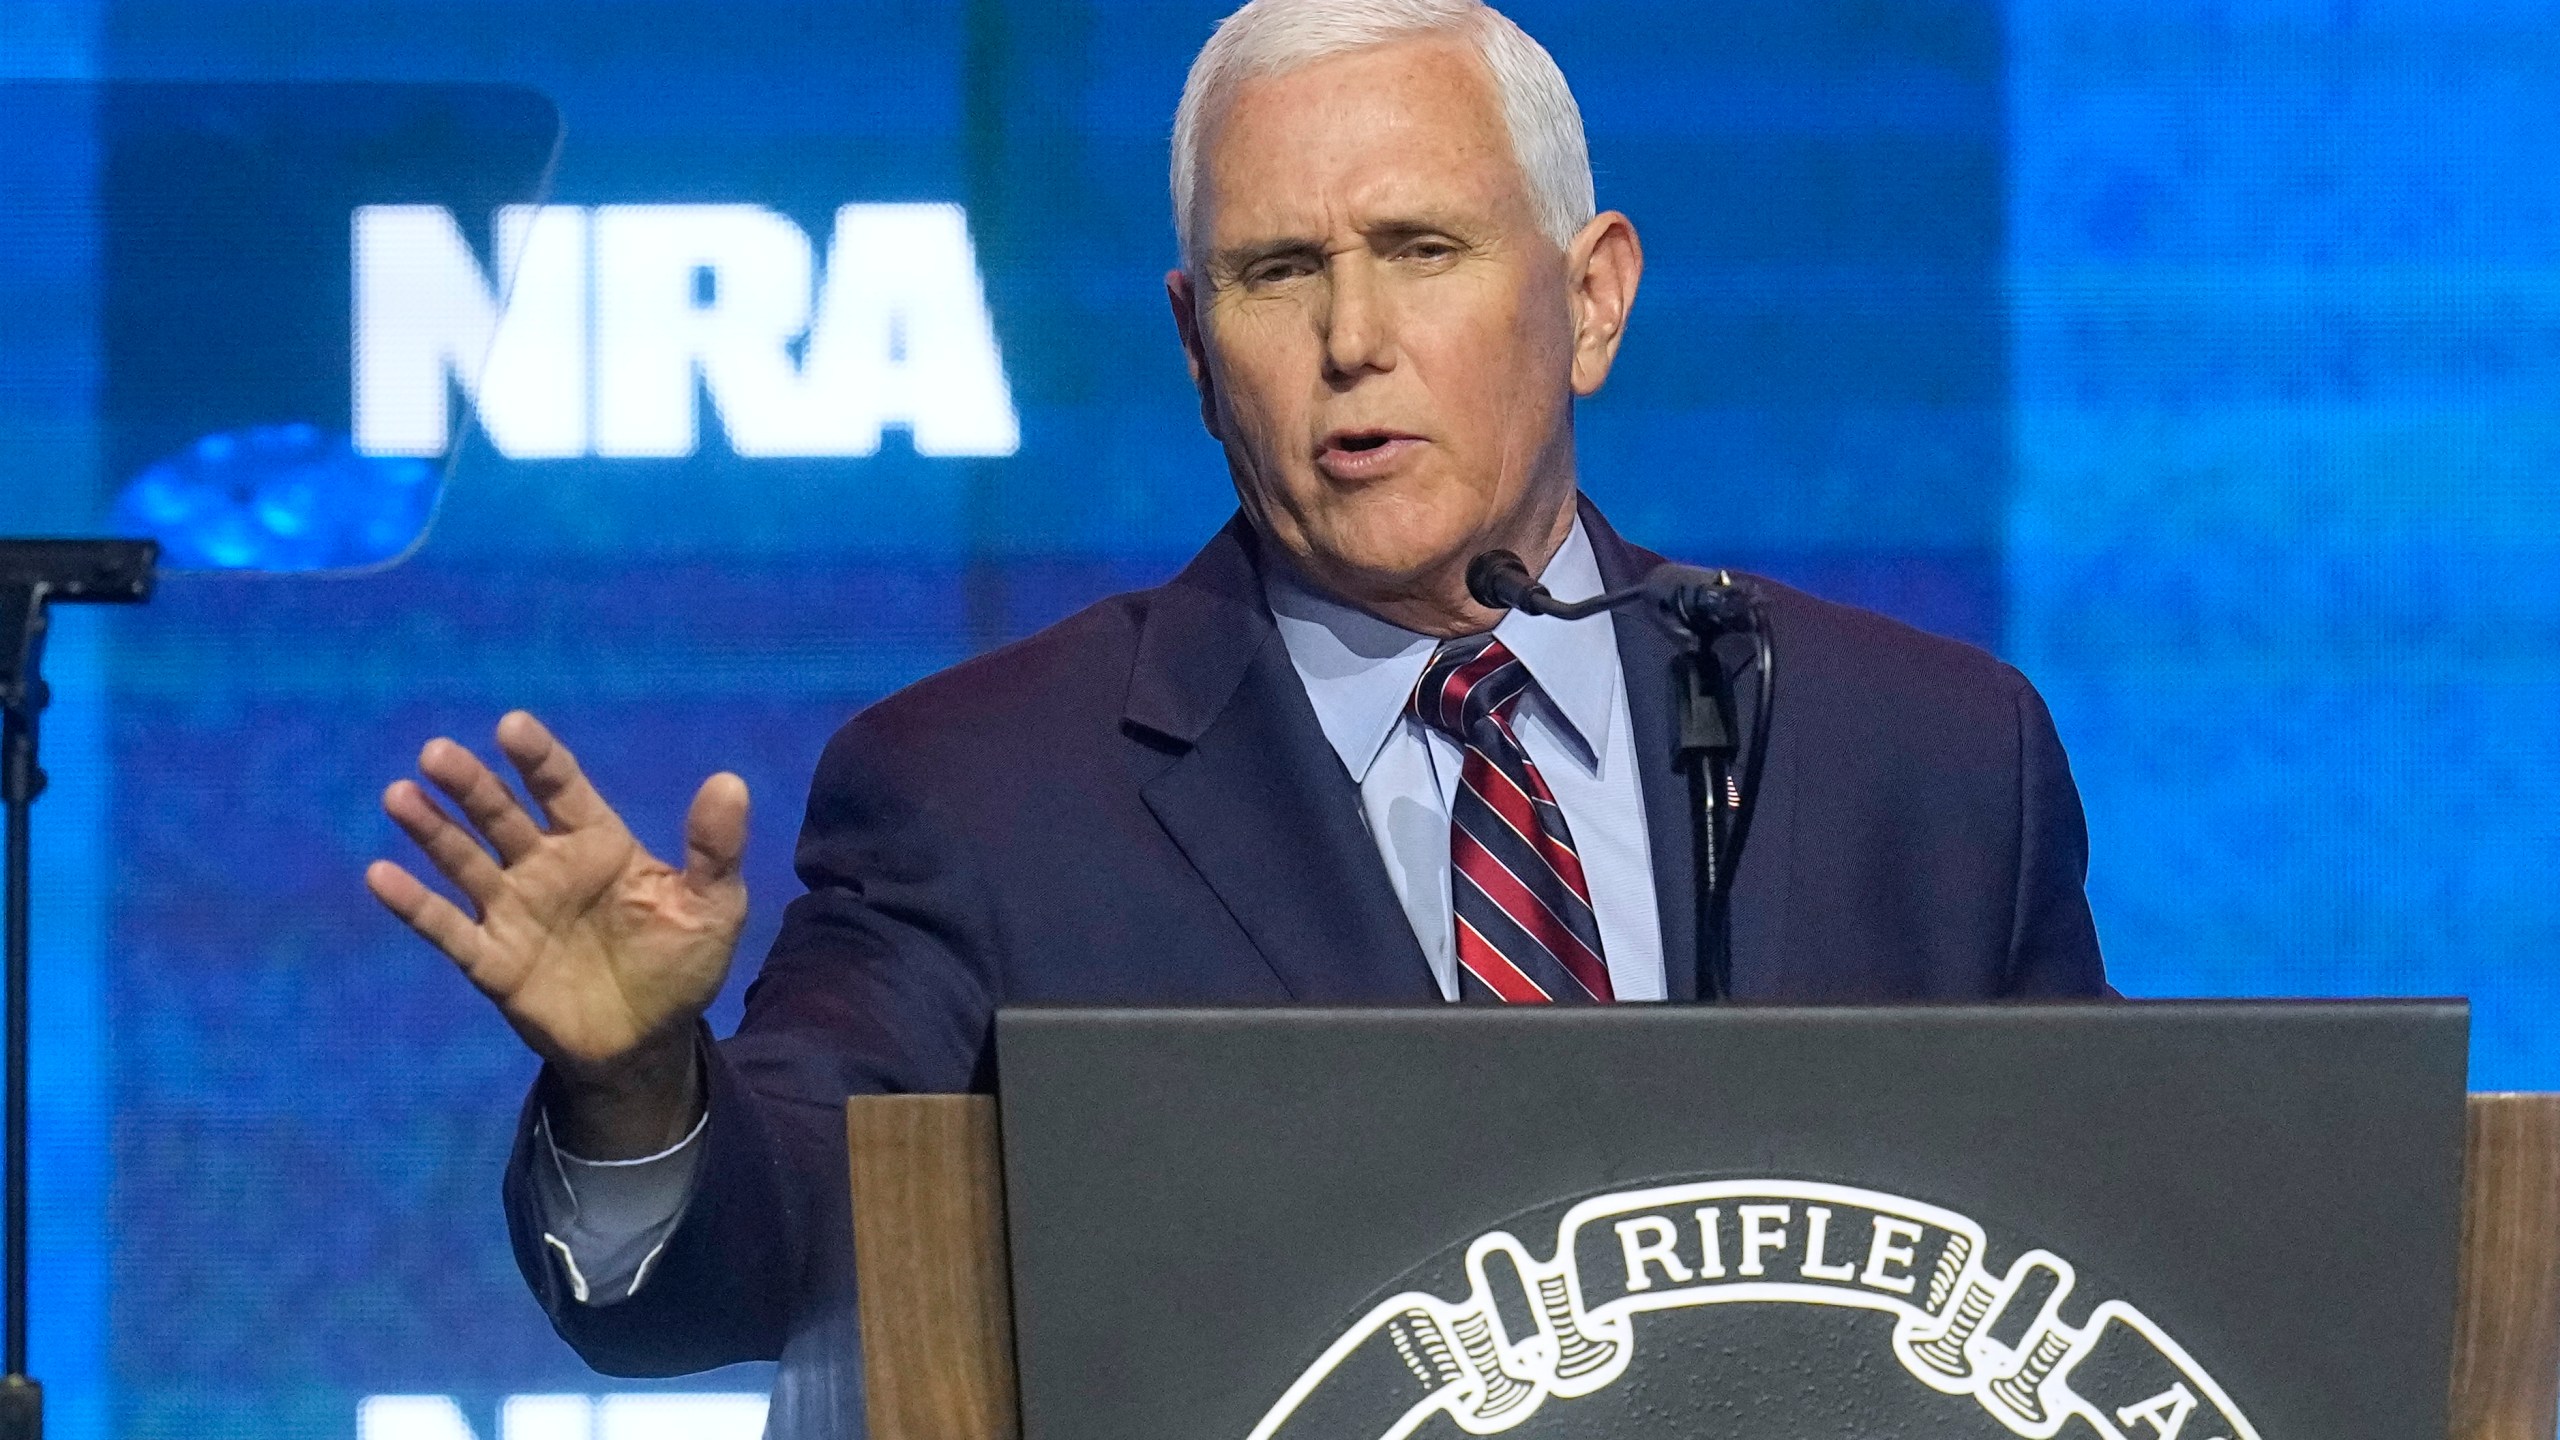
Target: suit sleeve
2053,942
881,981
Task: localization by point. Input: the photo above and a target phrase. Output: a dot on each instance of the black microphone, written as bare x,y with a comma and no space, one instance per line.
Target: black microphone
1500,580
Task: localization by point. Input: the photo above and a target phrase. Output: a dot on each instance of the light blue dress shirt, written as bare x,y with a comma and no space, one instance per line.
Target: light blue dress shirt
607,1220
1359,669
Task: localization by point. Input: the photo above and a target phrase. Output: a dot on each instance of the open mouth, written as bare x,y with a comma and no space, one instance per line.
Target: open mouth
1363,455
1361,442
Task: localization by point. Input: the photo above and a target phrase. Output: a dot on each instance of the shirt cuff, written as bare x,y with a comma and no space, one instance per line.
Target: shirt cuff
607,1220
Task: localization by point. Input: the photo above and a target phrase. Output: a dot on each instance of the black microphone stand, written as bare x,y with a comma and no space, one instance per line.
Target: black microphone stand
1706,606
33,574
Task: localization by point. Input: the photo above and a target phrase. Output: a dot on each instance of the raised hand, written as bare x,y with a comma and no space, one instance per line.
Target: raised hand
599,954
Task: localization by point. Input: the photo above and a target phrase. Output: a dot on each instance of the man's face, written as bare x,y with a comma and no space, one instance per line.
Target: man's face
1387,345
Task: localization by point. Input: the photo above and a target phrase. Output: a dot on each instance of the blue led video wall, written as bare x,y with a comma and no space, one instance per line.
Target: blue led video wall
2200,358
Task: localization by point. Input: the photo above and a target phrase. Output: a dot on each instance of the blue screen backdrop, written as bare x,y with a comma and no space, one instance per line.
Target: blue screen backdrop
2199,358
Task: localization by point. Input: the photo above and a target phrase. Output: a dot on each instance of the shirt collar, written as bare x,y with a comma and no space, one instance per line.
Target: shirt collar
1359,669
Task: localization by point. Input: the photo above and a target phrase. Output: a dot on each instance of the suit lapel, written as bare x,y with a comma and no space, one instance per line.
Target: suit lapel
1646,650
1255,797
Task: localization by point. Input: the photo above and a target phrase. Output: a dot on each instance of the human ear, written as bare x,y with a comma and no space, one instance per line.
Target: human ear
1602,268
1181,294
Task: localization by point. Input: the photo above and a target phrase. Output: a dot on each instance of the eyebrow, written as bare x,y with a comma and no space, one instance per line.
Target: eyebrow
1238,257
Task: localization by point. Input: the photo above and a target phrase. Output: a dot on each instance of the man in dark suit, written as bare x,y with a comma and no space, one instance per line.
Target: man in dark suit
1309,769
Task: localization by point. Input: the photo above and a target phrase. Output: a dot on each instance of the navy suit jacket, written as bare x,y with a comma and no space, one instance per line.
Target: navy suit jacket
1137,806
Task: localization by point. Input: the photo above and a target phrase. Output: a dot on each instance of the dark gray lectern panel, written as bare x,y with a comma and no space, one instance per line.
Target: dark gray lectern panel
2117,1222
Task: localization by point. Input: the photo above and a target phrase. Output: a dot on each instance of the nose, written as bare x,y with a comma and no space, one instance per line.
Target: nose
1359,330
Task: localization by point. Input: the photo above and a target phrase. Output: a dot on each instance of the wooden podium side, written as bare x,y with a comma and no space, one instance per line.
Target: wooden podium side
929,1248
2506,1327
937,1314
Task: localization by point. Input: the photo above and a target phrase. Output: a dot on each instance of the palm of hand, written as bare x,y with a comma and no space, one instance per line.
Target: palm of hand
595,950
602,947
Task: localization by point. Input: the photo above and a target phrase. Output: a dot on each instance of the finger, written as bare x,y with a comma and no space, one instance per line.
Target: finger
551,774
454,852
438,920
485,799
715,832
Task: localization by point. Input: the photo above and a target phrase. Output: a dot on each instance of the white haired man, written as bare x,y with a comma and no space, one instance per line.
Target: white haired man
1309,769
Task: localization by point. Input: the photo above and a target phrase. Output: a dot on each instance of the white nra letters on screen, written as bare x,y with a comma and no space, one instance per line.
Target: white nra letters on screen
589,337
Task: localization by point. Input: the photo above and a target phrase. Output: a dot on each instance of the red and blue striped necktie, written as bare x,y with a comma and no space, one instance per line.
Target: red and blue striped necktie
1525,929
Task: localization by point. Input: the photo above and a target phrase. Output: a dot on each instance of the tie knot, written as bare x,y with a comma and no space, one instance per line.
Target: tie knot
1466,681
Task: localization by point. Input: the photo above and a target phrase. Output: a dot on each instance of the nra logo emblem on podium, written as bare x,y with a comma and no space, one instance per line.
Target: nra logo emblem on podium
1530,1333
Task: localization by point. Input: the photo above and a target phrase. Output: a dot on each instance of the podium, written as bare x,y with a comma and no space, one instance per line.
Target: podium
937,1247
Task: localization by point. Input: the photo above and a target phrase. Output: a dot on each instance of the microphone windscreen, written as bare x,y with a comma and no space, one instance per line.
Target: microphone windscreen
1499,580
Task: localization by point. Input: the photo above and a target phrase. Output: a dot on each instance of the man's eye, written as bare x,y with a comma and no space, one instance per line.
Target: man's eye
1271,272
1430,250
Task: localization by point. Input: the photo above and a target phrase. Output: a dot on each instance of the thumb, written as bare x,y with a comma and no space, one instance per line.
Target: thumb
715,833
